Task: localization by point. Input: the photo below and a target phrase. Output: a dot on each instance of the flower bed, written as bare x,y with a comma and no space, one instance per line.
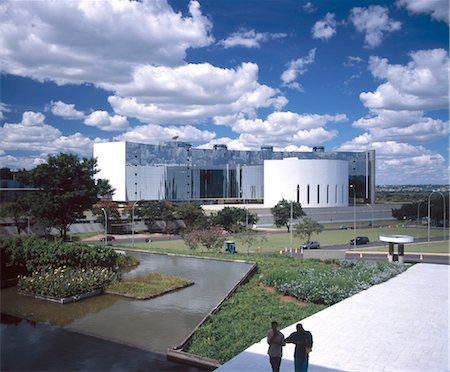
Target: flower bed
66,281
329,284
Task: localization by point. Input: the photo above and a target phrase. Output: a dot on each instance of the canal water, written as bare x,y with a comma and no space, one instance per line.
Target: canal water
153,325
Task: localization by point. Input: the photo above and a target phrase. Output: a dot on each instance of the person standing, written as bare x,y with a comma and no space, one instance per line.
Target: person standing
303,346
275,339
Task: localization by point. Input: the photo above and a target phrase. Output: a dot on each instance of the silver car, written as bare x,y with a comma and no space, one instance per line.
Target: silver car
311,244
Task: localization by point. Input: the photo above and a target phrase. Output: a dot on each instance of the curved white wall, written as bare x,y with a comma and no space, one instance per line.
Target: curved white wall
326,180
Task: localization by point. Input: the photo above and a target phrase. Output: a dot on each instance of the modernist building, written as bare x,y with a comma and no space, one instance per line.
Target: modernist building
178,172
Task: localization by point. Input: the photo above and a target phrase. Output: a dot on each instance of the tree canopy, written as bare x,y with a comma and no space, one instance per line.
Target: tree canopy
306,227
234,219
67,189
282,212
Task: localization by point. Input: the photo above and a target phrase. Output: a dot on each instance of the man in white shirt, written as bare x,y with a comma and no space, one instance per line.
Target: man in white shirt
275,339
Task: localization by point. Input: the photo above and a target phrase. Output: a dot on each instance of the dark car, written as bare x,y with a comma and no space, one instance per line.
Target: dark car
311,244
109,238
360,240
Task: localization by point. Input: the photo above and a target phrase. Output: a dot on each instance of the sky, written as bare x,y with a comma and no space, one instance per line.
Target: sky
343,74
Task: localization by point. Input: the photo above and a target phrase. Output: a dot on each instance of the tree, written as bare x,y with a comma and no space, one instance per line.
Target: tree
306,227
249,238
409,210
282,213
153,211
18,210
192,214
234,219
111,209
67,189
211,238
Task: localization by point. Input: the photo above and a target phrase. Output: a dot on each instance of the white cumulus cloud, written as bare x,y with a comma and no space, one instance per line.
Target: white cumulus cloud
65,110
295,68
325,28
282,129
96,41
403,126
374,22
152,134
106,122
249,38
192,92
401,163
438,9
33,134
422,84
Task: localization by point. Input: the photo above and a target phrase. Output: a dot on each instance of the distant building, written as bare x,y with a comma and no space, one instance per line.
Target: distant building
176,171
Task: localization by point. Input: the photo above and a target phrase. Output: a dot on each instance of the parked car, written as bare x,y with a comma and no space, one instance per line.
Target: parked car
311,244
109,238
360,240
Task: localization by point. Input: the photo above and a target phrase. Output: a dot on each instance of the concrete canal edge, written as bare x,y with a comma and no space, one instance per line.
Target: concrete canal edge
62,300
178,353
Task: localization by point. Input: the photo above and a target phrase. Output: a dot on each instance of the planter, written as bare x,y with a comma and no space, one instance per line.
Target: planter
63,300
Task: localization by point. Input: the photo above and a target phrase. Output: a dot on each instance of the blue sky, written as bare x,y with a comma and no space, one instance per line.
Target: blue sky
347,75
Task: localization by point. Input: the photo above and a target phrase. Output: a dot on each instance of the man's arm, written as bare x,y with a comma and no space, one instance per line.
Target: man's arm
291,339
309,339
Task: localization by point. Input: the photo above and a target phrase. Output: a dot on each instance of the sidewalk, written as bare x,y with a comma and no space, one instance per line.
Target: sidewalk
399,325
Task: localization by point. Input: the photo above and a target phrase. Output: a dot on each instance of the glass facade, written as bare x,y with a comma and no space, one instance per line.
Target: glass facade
176,171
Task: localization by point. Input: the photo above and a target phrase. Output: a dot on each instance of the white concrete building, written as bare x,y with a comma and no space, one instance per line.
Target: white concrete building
311,182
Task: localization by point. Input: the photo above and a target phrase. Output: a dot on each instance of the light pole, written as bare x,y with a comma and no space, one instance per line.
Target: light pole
418,218
429,212
132,223
106,225
354,216
371,214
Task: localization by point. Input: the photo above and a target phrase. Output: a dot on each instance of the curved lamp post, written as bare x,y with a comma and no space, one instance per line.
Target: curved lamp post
106,225
354,217
371,214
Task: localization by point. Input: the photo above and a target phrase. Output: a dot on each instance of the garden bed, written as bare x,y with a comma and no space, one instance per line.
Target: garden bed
148,286
62,300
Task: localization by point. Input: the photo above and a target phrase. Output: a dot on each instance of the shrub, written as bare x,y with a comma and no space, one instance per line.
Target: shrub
35,253
66,281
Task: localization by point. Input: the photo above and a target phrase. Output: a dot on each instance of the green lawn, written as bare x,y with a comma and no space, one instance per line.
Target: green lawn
147,286
275,242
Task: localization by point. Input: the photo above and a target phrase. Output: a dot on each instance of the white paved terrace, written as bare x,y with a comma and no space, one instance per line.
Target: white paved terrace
399,325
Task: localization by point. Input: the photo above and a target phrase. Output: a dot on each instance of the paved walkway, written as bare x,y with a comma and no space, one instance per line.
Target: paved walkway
399,325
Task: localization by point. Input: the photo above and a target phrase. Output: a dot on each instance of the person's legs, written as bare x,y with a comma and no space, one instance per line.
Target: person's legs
301,365
275,363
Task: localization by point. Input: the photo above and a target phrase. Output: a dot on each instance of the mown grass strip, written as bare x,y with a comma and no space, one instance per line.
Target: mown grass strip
148,286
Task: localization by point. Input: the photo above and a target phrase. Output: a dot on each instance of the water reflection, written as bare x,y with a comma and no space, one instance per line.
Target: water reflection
31,346
155,324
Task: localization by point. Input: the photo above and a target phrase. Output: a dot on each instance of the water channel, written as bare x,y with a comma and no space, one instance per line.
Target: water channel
152,325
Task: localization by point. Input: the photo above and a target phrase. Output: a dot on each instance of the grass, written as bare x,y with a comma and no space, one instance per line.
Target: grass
147,286
275,242
434,247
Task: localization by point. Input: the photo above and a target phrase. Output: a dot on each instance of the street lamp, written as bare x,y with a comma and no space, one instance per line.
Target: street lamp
429,213
132,223
354,216
371,214
106,225
418,218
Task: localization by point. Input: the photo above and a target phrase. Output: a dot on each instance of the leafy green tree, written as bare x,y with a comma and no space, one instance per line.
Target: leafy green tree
282,213
409,210
152,211
67,189
17,210
306,227
192,214
234,219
